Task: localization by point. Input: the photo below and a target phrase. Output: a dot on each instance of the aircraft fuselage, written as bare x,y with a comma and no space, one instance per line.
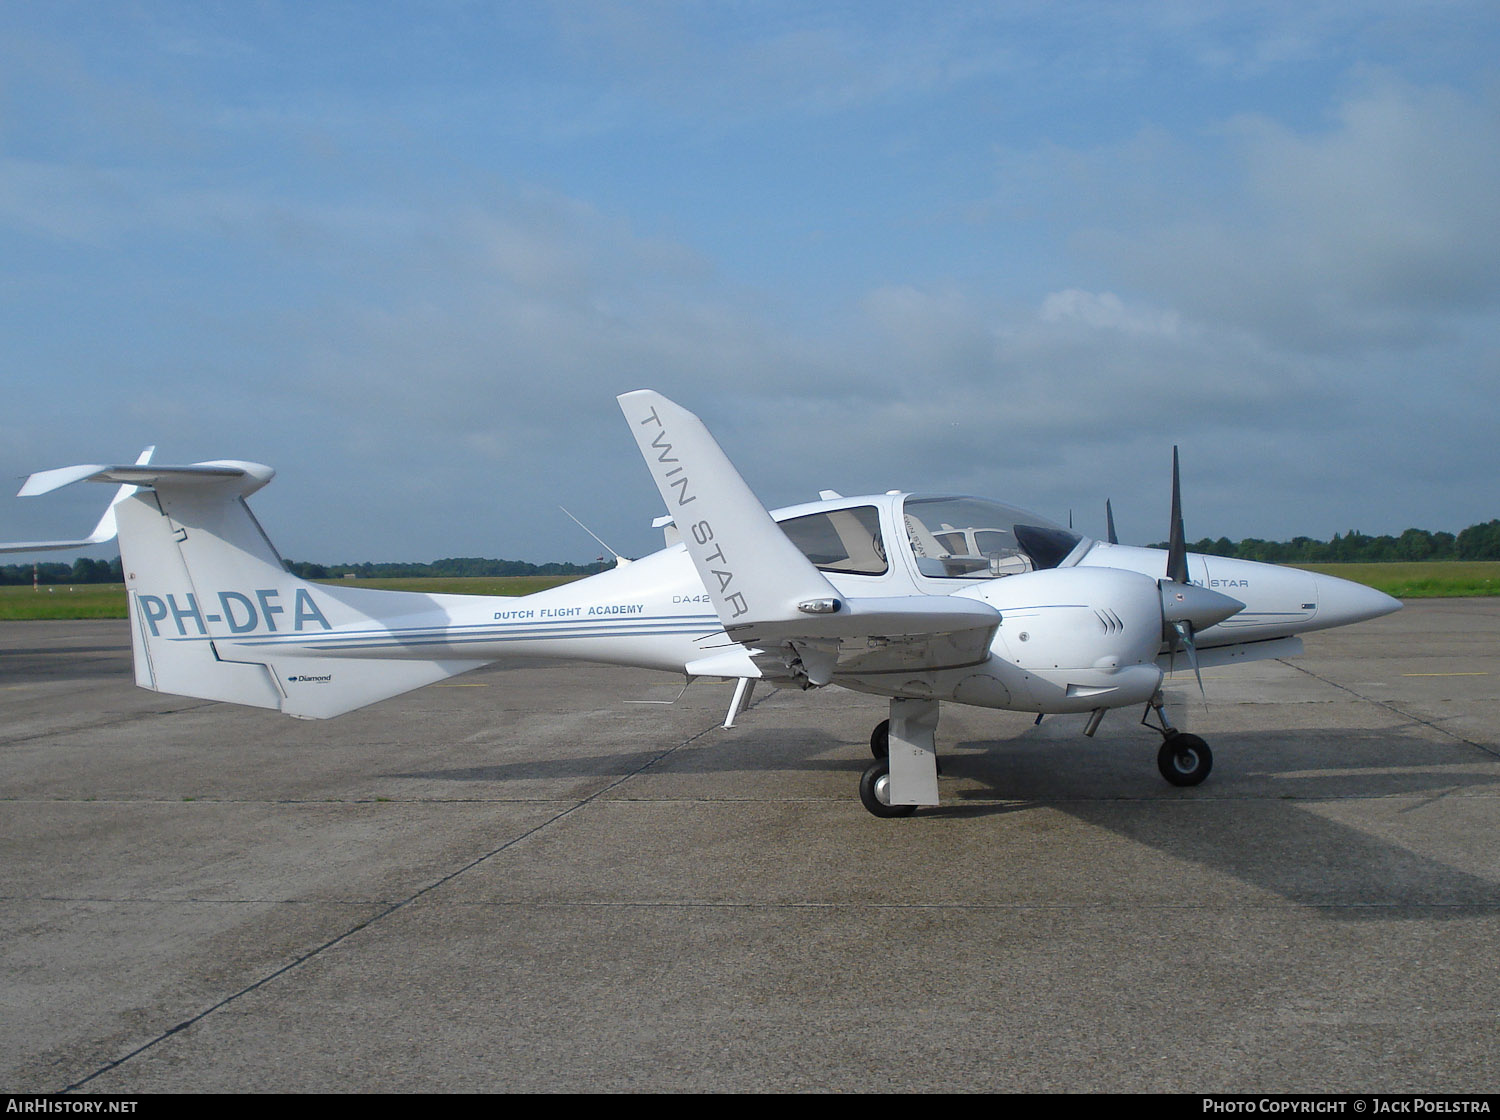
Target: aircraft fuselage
1069,637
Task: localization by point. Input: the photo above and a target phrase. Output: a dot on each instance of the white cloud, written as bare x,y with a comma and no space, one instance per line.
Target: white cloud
1377,230
417,298
1106,311
1395,202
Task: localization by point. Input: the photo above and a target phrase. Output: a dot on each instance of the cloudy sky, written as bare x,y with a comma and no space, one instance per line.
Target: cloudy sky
408,253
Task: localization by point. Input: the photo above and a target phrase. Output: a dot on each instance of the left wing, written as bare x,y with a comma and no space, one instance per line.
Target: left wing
103,532
768,595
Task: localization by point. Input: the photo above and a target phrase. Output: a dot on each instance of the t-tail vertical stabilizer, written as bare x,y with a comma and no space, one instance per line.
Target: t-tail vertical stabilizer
215,614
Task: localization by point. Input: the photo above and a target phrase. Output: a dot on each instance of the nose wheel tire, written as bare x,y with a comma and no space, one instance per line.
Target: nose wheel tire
874,791
1184,760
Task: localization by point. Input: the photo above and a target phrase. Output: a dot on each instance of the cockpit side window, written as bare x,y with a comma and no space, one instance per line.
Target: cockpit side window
969,538
842,540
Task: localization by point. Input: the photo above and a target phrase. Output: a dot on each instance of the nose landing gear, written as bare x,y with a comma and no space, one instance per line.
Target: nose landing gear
1184,760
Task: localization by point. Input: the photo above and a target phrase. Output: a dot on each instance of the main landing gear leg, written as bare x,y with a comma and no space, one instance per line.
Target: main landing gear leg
1184,760
904,774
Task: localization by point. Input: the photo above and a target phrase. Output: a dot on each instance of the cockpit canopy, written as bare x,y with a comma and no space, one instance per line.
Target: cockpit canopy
975,538
949,538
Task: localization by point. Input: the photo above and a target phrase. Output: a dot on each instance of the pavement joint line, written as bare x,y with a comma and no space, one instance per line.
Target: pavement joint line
386,912
1201,797
1234,907
1394,709
195,900
982,907
330,803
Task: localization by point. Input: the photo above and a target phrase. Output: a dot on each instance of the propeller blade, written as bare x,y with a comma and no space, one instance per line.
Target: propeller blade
1184,633
1187,608
1109,523
1177,570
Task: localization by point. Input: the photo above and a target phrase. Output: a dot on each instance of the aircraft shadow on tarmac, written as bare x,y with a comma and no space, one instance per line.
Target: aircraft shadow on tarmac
1268,820
1261,819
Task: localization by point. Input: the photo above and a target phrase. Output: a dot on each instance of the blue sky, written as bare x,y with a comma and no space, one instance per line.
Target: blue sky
408,254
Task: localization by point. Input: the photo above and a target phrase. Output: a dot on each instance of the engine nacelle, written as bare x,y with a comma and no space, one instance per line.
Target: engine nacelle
1074,639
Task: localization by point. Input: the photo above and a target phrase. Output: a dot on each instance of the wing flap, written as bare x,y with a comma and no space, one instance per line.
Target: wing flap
899,616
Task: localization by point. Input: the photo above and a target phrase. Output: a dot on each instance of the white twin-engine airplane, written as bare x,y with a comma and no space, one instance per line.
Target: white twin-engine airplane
918,599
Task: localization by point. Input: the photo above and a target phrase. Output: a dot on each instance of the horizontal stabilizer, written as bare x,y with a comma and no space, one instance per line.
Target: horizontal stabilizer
103,532
53,546
43,482
242,478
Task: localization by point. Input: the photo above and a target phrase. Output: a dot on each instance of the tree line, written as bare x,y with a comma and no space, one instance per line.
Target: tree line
84,570
1477,542
452,568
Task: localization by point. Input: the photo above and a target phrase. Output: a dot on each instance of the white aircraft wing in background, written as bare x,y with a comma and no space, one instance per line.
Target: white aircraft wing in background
103,532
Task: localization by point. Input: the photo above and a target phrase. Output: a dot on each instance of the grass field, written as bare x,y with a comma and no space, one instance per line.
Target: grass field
1435,579
89,600
1432,580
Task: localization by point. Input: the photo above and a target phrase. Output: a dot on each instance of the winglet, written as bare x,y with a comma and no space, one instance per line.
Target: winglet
753,573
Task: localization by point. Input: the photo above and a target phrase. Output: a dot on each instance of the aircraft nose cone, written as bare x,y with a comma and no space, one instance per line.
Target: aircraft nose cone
1341,601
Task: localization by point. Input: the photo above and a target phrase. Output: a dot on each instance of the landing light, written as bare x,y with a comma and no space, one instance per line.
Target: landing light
819,606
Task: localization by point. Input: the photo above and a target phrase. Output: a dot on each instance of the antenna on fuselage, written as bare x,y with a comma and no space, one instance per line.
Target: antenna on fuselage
620,561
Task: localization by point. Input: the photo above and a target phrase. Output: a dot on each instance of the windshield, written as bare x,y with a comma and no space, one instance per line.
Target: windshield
971,538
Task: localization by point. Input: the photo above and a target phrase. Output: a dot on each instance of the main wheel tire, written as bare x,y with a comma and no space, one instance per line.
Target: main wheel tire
1184,760
880,739
874,791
